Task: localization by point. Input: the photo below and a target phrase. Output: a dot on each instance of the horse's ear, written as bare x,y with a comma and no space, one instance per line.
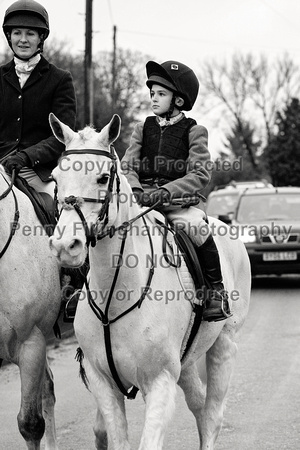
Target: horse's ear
114,128
61,131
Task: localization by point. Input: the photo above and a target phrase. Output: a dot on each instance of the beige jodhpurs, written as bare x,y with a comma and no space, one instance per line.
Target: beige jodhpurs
191,220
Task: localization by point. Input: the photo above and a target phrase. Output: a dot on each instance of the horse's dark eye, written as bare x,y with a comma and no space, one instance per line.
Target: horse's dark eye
103,179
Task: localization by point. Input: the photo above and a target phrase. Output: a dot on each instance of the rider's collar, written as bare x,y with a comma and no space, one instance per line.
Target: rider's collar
163,122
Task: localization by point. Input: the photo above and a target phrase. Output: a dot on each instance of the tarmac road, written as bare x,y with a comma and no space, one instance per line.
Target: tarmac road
263,406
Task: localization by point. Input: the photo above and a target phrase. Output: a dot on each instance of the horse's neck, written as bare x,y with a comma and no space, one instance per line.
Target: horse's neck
131,248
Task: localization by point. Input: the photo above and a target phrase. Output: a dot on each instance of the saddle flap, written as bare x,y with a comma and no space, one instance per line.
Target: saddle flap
191,259
42,202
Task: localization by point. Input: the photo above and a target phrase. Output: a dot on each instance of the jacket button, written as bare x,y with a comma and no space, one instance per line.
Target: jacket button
18,119
17,140
20,96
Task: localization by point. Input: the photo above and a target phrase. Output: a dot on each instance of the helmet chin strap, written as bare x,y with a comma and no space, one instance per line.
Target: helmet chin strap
169,113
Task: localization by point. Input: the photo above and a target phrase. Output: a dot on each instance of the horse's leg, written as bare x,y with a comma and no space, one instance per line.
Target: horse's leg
100,432
220,360
160,406
194,392
111,425
32,359
48,410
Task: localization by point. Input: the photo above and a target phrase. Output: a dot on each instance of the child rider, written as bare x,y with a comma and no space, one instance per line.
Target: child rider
166,162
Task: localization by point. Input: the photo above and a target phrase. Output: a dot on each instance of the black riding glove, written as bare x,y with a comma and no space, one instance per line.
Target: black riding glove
160,197
17,162
139,196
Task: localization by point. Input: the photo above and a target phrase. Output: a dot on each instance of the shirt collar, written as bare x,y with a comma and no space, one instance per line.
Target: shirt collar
163,122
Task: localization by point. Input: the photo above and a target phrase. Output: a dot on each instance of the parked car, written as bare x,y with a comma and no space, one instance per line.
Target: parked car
250,184
267,220
222,202
224,199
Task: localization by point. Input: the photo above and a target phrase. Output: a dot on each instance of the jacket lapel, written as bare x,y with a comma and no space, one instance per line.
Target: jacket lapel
37,73
10,75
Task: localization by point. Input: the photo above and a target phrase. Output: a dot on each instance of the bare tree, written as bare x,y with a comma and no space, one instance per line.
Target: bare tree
273,87
250,90
120,89
117,89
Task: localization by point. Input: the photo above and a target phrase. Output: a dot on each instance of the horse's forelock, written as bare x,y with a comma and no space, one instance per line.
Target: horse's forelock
87,133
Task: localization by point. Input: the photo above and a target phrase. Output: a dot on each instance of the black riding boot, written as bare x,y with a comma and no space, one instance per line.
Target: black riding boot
216,306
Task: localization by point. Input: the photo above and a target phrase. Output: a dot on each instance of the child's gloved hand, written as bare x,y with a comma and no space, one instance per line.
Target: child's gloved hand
139,195
159,197
17,162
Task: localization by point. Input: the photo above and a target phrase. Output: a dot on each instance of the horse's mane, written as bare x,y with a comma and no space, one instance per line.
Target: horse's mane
90,135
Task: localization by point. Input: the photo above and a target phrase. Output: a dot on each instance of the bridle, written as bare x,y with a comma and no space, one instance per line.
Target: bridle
91,234
16,215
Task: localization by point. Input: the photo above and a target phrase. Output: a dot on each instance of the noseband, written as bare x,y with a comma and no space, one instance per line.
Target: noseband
76,202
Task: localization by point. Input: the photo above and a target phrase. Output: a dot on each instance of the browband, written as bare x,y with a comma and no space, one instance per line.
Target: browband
89,152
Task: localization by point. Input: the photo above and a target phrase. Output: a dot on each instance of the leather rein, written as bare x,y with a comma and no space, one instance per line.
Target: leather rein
16,215
92,237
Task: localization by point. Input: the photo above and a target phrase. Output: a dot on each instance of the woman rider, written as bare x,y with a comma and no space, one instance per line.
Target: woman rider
31,88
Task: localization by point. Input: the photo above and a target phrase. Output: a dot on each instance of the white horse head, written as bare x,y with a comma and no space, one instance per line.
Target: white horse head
88,171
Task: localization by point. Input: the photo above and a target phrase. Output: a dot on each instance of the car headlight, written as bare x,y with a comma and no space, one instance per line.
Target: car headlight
247,236
244,233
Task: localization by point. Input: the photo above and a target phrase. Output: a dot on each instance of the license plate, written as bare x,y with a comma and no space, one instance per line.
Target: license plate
280,256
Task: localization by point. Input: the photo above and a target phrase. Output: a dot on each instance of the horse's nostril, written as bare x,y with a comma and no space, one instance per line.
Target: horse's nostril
75,247
75,243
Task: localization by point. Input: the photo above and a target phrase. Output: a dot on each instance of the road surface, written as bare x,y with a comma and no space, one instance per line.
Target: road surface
263,406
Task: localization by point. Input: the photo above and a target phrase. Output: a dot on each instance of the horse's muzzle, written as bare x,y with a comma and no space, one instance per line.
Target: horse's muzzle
71,253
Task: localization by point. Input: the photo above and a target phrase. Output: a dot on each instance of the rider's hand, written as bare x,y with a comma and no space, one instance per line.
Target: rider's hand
159,197
139,195
17,162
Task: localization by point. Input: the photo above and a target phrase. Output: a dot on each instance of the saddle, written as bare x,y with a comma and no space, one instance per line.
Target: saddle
190,257
42,202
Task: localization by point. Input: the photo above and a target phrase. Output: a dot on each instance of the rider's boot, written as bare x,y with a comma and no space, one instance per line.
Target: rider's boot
216,306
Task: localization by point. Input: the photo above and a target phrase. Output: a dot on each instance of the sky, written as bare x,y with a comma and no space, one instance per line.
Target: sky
189,31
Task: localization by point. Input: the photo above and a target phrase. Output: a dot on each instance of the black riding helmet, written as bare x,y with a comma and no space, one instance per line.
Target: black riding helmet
177,77
26,14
